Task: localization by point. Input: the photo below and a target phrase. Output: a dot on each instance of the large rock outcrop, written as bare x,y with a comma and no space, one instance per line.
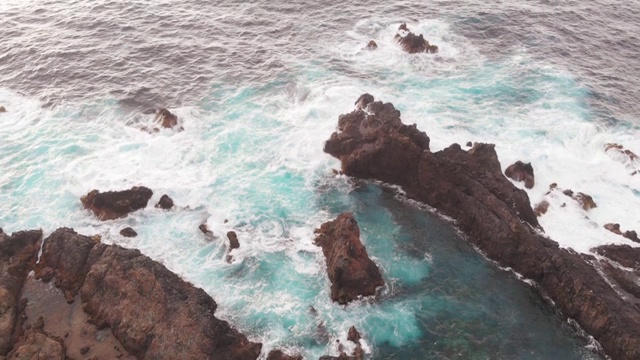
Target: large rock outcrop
351,271
116,204
149,309
413,43
372,143
18,254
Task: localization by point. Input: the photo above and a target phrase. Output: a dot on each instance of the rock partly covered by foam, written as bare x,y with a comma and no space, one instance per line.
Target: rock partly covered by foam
630,159
629,234
413,43
165,202
116,204
372,45
149,309
166,119
2,109
351,271
372,143
520,171
18,254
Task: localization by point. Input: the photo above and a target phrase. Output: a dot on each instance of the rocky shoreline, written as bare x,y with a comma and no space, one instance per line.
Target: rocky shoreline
468,186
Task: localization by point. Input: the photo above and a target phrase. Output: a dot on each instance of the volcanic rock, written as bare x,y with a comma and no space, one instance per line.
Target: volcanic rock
494,214
279,355
233,240
520,171
166,118
116,204
372,45
541,208
18,254
413,43
351,271
165,203
128,232
150,310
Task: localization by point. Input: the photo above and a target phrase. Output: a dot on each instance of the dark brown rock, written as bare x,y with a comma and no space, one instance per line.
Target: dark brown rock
520,171
469,144
351,271
372,45
586,201
541,208
166,119
2,109
116,204
624,255
626,280
18,254
494,214
150,310
128,232
353,335
614,228
413,43
631,235
233,240
204,228
279,355
165,203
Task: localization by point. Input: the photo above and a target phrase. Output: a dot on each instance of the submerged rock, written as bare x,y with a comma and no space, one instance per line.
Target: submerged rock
413,43
128,232
495,215
520,171
116,204
351,271
149,309
372,45
625,156
165,203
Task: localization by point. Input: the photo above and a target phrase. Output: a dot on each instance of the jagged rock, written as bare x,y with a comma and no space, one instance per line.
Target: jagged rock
541,208
279,355
351,271
629,234
166,119
614,228
628,281
150,310
494,214
372,45
469,144
165,203
204,228
2,109
116,204
233,240
520,171
353,335
624,255
18,254
128,232
413,43
38,345
585,201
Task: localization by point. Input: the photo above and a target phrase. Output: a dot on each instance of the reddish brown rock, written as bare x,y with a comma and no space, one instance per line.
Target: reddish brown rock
494,214
128,232
165,203
233,240
629,234
18,254
351,271
541,208
353,335
279,355
624,255
413,43
2,109
166,119
116,204
38,345
372,45
586,201
614,228
520,171
150,310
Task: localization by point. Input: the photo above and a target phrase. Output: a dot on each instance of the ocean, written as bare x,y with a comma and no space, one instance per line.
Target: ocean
258,88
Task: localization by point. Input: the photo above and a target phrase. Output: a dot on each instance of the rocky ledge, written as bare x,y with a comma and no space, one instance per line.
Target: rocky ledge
116,204
469,186
150,311
351,271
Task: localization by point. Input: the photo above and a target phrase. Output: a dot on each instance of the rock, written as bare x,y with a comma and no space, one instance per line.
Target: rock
413,43
585,201
128,232
353,335
2,109
233,240
85,349
626,280
18,254
38,345
492,212
351,271
116,204
469,144
614,228
166,119
204,228
363,101
624,255
279,355
625,156
165,202
520,171
150,310
631,235
372,45
541,208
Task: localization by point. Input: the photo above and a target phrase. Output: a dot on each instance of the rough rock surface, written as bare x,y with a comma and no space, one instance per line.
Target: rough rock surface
37,344
520,171
233,240
351,271
116,204
2,109
495,215
629,234
624,255
128,232
18,254
413,43
150,310
166,119
165,203
279,355
372,45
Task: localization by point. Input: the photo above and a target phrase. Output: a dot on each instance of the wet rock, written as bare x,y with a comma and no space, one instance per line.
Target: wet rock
353,335
520,171
150,310
494,214
614,228
351,271
626,280
204,228
85,349
586,201
413,43
624,255
372,45
233,240
469,144
18,254
116,204
128,232
279,355
625,156
166,119
629,234
363,101
2,109
165,203
541,208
